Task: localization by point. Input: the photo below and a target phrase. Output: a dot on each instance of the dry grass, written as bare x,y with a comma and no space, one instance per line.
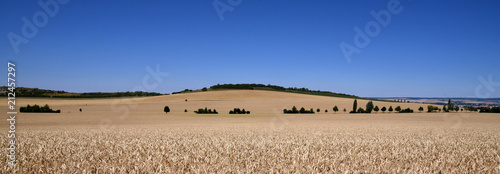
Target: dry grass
145,140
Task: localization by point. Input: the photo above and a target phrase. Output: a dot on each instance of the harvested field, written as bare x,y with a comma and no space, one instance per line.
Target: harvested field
105,139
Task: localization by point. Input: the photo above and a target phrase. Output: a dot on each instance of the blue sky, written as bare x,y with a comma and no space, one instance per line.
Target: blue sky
428,49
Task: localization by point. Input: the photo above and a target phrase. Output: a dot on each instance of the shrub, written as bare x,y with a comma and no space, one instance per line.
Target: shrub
361,110
185,110
317,110
376,109
390,109
420,109
166,109
384,109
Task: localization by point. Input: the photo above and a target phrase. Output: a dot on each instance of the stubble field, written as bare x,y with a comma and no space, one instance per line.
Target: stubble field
135,136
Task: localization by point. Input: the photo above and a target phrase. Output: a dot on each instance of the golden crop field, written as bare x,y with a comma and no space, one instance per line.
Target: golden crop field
136,136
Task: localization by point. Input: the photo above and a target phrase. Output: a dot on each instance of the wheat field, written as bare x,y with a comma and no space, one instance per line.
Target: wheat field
146,140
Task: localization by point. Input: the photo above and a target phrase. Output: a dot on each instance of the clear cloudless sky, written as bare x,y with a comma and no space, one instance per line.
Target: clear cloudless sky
430,49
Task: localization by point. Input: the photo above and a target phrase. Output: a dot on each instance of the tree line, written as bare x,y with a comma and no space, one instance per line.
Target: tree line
302,110
36,108
369,108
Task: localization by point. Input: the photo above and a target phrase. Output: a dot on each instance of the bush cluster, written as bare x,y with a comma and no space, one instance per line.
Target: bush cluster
407,110
206,111
239,111
490,110
36,108
431,108
295,111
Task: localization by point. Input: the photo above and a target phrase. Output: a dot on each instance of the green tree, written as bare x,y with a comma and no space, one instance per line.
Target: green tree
450,105
204,89
398,108
390,109
444,108
345,110
317,110
355,105
384,109
46,108
431,108
166,109
326,110
420,109
376,109
369,107
185,110
335,109
457,108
